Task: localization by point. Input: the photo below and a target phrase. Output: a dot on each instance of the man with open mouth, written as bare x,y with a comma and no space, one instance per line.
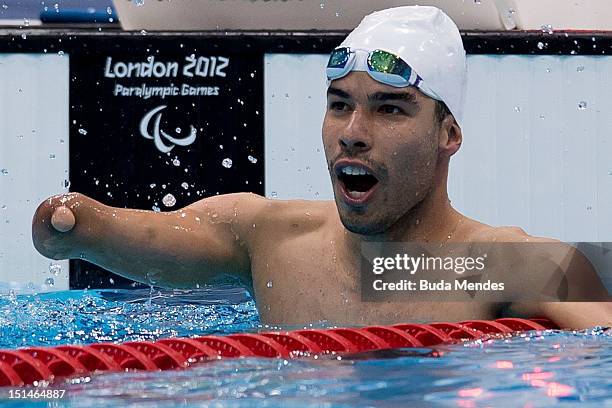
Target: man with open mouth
394,118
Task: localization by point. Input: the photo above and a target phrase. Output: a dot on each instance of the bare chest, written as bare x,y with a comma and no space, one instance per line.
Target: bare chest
309,280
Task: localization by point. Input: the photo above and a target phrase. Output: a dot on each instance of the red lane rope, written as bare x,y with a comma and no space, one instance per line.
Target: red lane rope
29,365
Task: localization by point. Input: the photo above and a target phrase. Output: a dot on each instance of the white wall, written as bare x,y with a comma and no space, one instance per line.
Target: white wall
530,156
33,126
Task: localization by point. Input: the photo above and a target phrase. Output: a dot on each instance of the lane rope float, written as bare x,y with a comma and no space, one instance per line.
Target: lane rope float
30,365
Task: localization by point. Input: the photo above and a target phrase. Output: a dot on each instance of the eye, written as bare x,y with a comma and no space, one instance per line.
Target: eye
390,110
338,106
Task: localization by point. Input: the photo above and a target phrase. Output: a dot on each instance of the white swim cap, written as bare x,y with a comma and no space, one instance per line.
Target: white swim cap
425,38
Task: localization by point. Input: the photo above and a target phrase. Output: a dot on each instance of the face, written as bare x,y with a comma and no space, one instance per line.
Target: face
381,147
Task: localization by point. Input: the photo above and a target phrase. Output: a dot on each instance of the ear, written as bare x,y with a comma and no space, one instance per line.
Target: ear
450,137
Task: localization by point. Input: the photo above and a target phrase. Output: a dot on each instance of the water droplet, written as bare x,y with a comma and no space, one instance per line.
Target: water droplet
579,68
176,162
66,184
589,208
322,5
478,1
269,284
252,159
185,185
140,2
274,194
49,282
227,163
155,208
517,109
582,105
4,207
60,53
4,172
109,10
24,36
169,200
178,130
111,281
55,269
82,131
541,45
547,28
52,156
143,32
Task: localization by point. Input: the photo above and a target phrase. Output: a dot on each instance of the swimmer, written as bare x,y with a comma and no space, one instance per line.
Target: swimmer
394,118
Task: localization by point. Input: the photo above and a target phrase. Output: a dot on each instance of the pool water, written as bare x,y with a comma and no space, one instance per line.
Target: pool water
535,369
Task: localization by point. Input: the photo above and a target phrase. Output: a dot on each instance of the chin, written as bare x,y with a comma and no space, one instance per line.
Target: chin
363,225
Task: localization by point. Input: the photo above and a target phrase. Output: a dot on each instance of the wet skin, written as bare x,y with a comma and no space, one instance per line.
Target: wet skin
301,258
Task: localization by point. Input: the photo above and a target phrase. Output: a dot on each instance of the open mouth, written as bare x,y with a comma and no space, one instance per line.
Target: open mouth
357,182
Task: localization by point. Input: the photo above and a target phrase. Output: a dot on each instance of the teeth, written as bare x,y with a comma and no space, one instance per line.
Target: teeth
356,194
354,171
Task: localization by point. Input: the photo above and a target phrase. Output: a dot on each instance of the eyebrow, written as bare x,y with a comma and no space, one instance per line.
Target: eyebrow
338,92
393,96
407,97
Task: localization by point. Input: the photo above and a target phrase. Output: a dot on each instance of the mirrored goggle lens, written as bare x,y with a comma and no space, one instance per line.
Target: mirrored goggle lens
387,63
338,58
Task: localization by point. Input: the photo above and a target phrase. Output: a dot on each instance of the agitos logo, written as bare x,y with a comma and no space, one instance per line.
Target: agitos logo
163,141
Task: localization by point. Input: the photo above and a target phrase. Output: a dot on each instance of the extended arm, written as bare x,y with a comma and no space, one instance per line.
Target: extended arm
181,248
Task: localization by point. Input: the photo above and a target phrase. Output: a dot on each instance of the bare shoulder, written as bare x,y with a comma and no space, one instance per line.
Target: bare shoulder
480,232
250,213
294,215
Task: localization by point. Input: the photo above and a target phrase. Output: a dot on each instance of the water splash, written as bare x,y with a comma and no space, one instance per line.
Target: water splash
84,317
55,269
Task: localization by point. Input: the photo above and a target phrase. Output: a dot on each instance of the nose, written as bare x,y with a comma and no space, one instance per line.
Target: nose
355,136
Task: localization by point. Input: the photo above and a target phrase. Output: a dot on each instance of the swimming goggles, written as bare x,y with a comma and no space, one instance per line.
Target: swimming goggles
382,66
